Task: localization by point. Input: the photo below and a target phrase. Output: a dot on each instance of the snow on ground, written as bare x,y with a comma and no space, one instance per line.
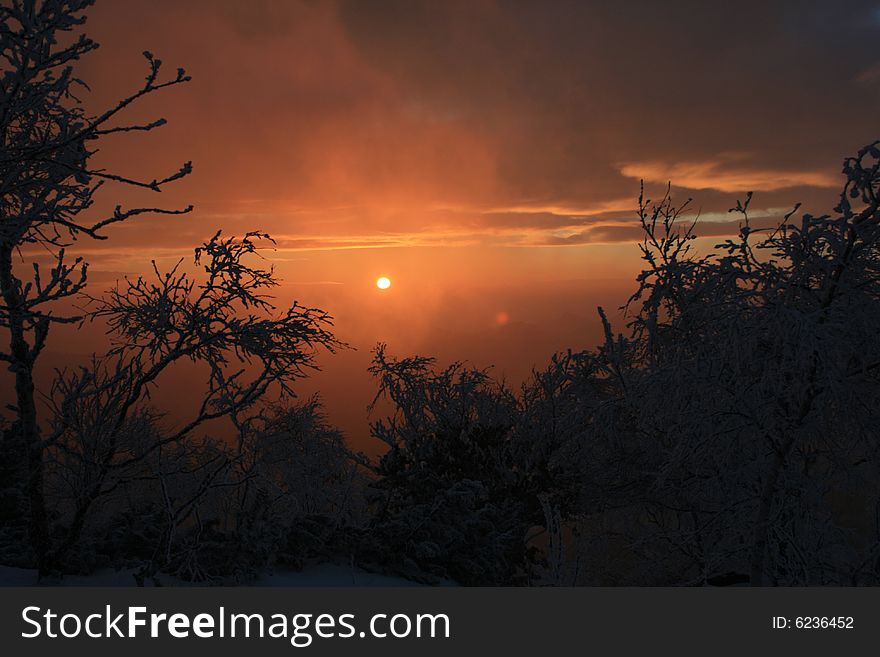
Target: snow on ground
318,575
328,574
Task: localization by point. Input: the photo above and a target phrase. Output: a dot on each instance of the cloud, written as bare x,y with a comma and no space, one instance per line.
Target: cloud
869,74
374,115
726,177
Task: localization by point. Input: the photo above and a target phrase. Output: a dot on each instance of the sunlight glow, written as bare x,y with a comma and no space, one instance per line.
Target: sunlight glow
383,283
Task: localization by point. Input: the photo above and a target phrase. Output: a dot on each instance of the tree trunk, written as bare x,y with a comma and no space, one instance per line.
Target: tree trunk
780,457
23,368
762,522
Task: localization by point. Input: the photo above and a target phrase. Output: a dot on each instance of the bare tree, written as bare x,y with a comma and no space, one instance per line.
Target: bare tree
222,319
751,383
47,190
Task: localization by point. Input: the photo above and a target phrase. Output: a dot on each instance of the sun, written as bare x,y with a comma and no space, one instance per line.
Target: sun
383,283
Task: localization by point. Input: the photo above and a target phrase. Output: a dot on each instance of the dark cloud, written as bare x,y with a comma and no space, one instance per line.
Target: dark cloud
513,113
567,91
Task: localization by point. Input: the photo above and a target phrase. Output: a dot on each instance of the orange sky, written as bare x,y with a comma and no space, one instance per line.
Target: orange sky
485,156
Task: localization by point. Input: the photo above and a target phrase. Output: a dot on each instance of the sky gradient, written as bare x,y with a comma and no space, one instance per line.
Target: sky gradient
486,156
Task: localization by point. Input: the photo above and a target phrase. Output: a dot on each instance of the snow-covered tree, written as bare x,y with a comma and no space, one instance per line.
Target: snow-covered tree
751,382
47,190
452,502
221,319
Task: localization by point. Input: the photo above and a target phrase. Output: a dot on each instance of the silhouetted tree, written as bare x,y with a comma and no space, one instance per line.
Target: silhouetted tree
47,189
301,492
750,388
222,320
458,494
